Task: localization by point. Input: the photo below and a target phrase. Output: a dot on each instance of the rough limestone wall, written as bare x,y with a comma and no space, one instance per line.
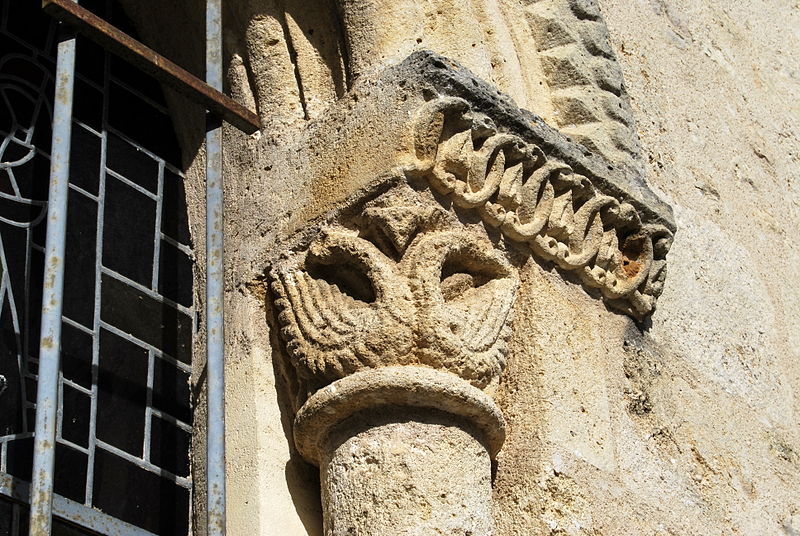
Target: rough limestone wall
689,427
291,60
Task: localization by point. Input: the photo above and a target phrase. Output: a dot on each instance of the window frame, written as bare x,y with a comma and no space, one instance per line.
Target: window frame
44,504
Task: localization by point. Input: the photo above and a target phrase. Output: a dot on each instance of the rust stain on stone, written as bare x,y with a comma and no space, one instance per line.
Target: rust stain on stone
631,267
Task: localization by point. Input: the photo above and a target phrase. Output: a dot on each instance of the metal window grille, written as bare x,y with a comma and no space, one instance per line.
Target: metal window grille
118,187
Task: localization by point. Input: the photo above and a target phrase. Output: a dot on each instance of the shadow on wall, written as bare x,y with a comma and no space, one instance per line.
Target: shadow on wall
176,30
302,479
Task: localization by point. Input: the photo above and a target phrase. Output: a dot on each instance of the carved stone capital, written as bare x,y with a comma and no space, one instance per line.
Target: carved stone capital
396,318
396,303
400,283
396,308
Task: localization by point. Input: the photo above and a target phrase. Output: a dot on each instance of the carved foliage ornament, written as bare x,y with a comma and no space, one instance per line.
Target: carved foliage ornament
538,200
402,283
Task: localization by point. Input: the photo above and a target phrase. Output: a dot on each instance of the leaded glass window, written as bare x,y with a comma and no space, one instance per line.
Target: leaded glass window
125,421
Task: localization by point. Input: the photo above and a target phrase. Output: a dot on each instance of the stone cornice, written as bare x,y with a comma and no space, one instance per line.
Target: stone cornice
439,76
535,197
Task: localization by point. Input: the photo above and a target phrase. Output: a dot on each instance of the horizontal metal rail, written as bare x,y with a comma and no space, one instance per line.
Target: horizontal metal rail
121,44
70,511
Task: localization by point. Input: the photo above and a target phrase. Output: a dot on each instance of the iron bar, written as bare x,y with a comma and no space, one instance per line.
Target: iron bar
53,292
18,491
159,67
215,270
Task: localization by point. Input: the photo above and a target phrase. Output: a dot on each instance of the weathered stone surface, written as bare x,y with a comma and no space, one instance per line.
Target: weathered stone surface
404,268
551,56
443,76
684,428
398,308
407,474
396,302
387,288
686,424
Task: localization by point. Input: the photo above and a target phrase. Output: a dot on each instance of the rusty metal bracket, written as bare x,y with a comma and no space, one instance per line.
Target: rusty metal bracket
156,65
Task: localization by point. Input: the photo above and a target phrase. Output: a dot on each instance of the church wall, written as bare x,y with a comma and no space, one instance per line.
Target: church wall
685,423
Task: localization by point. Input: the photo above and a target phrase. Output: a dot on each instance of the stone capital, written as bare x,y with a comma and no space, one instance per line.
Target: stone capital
396,306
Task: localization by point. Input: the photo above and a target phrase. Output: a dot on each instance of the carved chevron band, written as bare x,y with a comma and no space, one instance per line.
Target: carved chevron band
536,199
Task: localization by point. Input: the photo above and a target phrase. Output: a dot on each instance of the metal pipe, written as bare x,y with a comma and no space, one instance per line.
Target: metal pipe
215,271
53,293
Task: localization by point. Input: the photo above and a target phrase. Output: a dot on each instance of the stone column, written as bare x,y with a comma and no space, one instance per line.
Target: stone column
396,321
402,451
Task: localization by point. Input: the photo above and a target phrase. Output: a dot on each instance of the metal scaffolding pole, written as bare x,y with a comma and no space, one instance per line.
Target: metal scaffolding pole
52,296
215,271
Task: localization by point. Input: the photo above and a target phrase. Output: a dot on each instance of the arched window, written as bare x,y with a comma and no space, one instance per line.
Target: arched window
124,433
